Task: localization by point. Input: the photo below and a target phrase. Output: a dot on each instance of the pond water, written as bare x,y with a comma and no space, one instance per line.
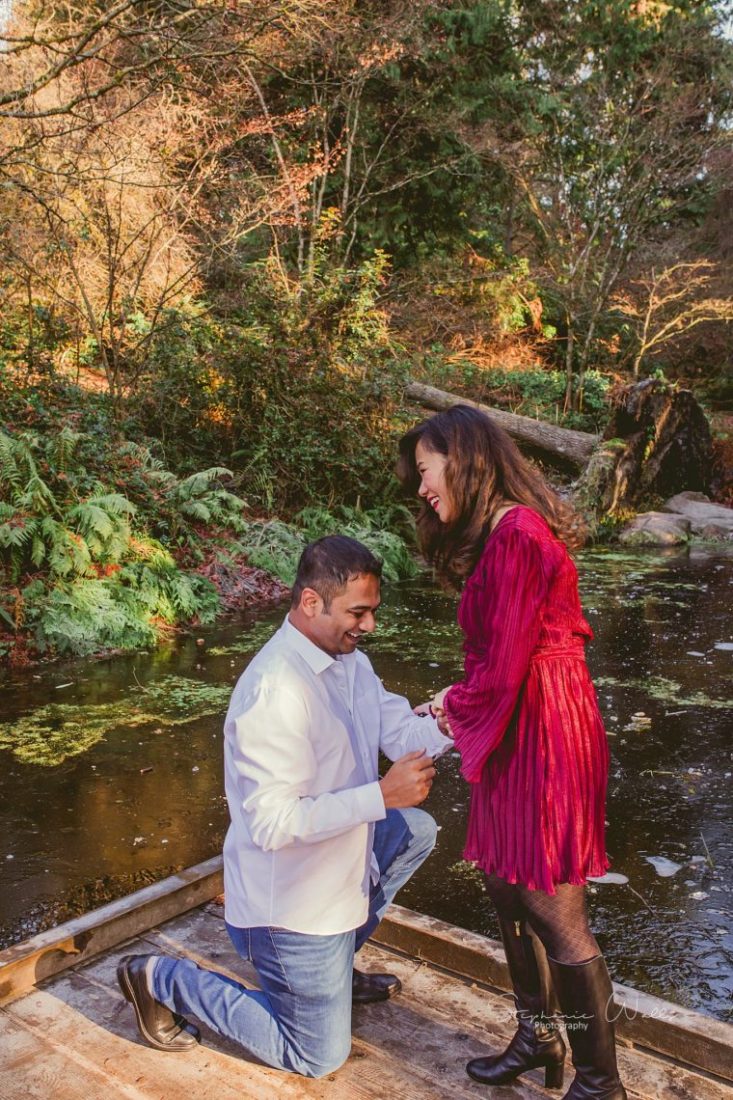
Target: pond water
111,773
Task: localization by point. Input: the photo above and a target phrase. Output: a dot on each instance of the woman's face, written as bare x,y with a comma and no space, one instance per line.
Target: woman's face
431,468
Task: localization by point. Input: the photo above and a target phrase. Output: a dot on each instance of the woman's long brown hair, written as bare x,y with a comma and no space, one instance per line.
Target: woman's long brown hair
485,469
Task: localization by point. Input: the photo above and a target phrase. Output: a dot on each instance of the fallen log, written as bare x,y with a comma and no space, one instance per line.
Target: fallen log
564,444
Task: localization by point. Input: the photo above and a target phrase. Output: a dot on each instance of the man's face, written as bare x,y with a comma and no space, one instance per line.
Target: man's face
349,618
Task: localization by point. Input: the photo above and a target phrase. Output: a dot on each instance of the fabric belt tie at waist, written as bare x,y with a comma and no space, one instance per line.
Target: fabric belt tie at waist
575,651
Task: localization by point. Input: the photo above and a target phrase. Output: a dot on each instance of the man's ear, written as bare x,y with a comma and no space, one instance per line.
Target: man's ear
311,604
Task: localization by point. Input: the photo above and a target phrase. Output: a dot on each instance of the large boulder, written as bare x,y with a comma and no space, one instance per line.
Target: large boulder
706,519
656,529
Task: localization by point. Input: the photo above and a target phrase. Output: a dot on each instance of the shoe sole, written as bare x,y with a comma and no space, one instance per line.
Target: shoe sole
553,1075
387,995
129,995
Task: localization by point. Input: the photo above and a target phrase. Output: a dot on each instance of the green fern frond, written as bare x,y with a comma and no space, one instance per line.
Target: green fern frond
151,551
87,615
62,449
200,482
38,550
68,552
103,521
90,519
144,456
114,504
196,509
17,465
164,478
10,473
36,495
13,535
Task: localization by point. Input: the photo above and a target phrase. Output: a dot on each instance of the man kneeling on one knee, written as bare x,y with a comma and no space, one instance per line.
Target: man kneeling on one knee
318,845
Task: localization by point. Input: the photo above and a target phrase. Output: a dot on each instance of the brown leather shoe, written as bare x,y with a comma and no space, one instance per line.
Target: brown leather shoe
159,1027
368,988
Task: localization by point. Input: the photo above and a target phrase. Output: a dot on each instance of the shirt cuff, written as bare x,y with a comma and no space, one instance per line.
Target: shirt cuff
437,744
370,803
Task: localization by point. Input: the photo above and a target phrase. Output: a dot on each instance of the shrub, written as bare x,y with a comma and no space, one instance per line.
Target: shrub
537,393
298,392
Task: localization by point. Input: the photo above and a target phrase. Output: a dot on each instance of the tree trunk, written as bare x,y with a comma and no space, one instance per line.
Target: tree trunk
667,444
569,357
552,443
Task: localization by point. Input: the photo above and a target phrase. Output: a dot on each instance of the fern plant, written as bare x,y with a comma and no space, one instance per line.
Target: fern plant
101,580
173,505
201,498
276,546
379,529
45,526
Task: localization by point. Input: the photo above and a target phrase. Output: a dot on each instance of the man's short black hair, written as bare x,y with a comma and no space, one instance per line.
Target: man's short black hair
328,564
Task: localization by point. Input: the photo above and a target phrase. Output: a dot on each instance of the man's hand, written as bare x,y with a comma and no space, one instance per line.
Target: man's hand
408,781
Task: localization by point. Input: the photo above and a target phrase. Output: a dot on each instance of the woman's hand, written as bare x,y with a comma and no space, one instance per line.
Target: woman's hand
430,710
438,699
444,727
438,711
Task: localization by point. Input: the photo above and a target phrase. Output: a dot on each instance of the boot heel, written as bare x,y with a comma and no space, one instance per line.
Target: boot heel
554,1076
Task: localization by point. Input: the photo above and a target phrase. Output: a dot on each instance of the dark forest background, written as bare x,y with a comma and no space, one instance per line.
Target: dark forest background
230,232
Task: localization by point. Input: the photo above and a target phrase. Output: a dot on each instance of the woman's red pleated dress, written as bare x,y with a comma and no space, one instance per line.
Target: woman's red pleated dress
525,717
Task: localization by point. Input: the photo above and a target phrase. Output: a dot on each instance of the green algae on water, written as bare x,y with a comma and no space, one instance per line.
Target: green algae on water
467,873
401,633
666,691
252,640
52,734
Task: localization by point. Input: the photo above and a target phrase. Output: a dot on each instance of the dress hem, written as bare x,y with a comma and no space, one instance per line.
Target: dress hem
573,878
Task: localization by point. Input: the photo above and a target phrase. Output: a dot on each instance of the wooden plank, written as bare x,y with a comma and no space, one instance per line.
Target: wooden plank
669,1029
25,964
566,444
95,1023
32,1068
688,1037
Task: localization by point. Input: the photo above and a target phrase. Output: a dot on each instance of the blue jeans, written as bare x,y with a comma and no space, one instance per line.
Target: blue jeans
301,1021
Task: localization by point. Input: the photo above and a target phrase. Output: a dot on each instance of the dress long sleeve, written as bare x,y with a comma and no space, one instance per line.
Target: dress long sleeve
500,614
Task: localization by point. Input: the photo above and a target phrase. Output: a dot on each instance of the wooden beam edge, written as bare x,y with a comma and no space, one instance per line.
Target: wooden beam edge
661,1026
25,964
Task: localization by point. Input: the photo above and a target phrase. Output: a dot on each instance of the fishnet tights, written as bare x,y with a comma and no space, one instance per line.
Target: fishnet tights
560,920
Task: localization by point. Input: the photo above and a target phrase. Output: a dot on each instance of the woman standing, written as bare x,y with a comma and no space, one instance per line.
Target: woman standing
527,726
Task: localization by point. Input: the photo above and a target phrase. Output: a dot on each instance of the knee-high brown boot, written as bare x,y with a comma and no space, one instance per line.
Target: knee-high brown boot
585,994
537,1043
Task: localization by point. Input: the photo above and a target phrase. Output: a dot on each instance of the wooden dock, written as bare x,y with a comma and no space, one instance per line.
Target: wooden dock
66,1033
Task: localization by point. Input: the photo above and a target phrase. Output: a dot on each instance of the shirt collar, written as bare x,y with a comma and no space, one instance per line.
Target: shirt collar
316,658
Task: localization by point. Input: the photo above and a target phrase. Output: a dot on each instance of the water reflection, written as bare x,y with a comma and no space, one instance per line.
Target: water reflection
145,796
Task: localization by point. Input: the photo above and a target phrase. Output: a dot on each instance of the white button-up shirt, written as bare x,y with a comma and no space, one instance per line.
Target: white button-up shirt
301,746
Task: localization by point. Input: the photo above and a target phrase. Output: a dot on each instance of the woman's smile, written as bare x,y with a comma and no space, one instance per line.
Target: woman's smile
431,468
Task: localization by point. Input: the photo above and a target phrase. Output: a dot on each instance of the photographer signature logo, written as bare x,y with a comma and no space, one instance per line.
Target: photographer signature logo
614,1010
